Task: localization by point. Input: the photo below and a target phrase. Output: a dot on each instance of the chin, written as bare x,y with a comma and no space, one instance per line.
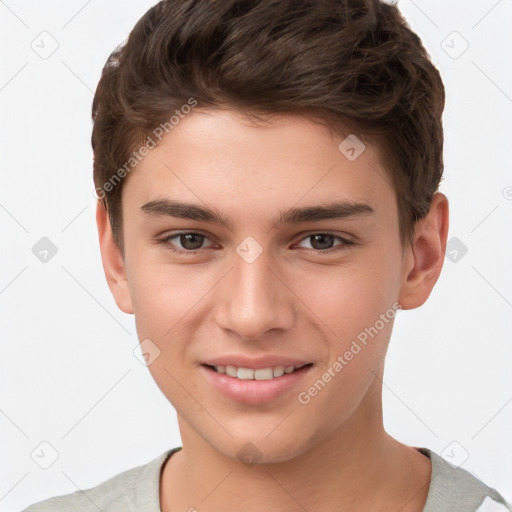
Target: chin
260,450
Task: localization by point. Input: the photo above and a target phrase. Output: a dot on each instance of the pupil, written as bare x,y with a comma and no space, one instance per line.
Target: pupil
327,241
195,239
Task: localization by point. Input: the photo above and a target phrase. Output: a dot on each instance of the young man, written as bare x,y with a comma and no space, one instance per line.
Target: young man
267,174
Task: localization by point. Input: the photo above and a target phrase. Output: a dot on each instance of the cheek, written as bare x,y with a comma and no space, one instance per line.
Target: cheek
360,319
348,298
163,294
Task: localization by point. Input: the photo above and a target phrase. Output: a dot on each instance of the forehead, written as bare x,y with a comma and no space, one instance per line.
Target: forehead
222,158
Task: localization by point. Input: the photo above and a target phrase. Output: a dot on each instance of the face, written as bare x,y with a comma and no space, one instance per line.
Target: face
261,247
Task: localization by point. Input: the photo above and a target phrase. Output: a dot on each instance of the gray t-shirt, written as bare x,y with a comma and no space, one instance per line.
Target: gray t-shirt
451,489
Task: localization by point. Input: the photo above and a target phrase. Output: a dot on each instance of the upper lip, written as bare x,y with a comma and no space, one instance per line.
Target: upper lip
266,361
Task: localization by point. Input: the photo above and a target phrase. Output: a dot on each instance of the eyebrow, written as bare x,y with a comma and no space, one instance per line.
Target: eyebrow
331,210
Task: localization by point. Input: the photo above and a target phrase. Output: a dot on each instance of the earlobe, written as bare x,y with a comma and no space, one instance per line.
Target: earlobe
426,255
113,263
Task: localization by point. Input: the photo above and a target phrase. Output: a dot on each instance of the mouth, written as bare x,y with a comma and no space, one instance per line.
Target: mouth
256,385
271,372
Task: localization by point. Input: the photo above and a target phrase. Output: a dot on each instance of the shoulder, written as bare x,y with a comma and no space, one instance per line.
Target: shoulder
132,490
455,489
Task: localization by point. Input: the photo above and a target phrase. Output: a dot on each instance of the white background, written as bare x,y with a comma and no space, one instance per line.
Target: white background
68,375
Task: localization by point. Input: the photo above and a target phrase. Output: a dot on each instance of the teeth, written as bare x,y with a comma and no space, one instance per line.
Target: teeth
263,374
245,373
231,371
250,374
278,371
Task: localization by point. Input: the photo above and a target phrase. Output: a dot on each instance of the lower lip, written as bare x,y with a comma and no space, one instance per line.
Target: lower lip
254,391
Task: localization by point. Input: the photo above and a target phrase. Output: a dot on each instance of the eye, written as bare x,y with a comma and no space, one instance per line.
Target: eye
189,242
324,242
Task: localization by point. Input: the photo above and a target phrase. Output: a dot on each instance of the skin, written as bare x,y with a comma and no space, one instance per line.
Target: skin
333,452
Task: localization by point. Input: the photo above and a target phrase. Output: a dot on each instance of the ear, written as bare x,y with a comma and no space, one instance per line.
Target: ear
424,259
113,262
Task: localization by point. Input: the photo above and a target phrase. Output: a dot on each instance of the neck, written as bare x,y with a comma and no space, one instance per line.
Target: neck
357,467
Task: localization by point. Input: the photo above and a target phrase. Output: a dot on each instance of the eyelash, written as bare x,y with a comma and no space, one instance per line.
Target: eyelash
165,241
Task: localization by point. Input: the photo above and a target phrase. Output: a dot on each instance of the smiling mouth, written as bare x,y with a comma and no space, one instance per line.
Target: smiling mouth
272,372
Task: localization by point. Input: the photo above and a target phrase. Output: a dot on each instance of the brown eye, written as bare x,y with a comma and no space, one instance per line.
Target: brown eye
325,242
322,241
186,243
191,241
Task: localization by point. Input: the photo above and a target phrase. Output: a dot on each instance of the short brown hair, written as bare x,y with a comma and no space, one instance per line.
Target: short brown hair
354,64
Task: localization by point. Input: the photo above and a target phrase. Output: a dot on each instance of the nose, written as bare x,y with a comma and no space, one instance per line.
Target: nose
254,299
